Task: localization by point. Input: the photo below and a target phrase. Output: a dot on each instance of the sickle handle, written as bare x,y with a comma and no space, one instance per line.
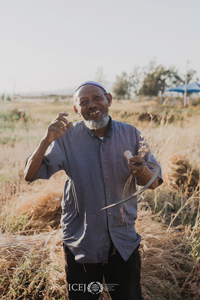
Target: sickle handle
128,154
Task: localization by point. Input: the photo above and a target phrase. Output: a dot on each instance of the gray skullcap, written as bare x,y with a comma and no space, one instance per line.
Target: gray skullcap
92,83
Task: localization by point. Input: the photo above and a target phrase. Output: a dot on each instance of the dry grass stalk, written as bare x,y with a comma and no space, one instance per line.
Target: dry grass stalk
164,259
26,266
195,196
164,262
13,250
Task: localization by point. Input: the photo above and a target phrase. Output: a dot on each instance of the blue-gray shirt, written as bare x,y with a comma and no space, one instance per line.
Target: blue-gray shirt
96,174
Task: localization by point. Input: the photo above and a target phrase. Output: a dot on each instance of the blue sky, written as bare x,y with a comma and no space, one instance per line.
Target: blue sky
57,44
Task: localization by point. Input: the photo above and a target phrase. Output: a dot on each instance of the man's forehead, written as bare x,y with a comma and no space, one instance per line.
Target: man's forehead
90,82
89,89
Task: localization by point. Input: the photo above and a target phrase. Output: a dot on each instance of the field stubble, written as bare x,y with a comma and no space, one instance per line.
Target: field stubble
31,254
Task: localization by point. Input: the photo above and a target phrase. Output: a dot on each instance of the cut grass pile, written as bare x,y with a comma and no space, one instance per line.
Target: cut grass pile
36,263
31,252
181,174
36,212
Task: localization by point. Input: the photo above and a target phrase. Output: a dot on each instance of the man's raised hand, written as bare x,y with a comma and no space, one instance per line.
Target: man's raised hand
57,127
55,130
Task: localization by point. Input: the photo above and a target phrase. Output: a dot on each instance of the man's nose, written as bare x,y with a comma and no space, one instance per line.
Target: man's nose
91,103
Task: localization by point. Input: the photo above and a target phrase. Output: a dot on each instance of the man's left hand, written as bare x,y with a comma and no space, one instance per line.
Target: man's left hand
138,170
135,166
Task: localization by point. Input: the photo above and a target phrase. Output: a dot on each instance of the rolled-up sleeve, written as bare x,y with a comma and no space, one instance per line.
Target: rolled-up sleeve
54,160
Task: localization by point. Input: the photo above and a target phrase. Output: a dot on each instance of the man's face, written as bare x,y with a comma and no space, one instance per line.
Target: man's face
91,103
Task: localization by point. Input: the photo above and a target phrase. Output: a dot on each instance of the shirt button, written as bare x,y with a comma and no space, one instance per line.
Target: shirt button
104,159
110,214
106,177
108,196
110,229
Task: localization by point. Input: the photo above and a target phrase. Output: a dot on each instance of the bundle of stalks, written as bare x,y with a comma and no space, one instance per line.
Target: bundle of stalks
42,276
167,271
158,119
148,117
179,173
42,208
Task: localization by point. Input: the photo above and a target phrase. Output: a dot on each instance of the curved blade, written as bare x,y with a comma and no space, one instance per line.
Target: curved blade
155,175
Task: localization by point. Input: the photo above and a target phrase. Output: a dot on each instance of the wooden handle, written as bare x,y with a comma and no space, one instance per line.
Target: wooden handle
128,154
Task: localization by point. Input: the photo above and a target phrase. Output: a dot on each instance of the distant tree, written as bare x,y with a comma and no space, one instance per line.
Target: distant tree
135,79
2,97
197,80
173,78
153,82
190,75
122,85
150,80
161,79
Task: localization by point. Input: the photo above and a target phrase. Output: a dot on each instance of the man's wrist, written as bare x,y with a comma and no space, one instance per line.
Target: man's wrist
45,142
143,173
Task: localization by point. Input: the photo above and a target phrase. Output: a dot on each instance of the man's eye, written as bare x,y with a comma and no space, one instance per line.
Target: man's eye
82,102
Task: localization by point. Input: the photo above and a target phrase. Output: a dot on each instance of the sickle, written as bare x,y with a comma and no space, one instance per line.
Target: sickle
156,168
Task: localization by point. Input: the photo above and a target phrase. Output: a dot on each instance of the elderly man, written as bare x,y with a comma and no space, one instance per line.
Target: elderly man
97,243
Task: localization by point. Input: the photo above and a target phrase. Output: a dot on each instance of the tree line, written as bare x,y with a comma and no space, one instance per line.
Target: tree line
150,80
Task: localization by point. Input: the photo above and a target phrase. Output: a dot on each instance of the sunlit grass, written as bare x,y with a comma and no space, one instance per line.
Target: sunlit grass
28,209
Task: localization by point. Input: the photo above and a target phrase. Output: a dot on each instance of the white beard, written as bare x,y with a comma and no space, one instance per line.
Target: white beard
94,125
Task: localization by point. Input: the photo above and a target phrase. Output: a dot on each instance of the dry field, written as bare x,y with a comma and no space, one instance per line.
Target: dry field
31,255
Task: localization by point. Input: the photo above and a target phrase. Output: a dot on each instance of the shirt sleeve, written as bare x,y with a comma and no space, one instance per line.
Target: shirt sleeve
54,160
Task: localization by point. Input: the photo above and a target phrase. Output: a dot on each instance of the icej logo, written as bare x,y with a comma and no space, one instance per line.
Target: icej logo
94,287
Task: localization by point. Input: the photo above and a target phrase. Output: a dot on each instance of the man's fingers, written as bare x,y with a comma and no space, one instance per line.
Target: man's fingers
62,119
63,114
136,159
59,124
136,169
69,125
58,127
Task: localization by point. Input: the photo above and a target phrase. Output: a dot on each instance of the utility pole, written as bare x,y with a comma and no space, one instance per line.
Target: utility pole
185,94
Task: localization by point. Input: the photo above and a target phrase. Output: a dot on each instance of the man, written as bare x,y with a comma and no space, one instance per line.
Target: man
97,242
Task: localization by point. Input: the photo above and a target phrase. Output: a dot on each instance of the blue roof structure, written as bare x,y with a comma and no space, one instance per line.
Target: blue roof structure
191,88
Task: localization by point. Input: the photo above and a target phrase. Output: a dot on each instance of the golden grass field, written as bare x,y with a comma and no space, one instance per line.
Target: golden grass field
31,254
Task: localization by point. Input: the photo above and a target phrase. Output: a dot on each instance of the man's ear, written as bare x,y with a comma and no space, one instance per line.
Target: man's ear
109,98
76,111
